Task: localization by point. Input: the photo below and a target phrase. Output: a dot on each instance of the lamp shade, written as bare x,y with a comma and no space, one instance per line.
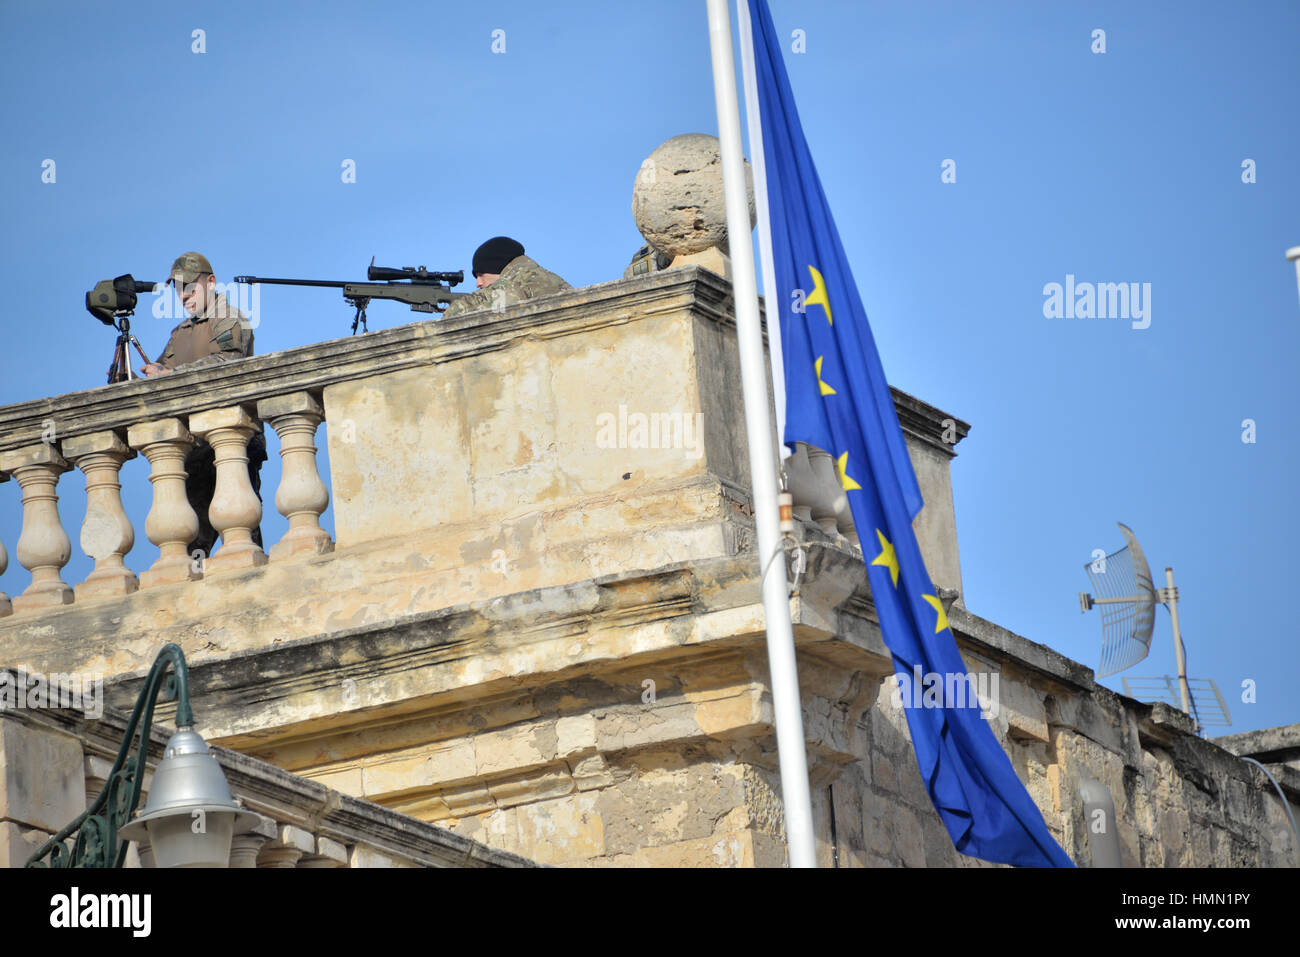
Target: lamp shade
190,817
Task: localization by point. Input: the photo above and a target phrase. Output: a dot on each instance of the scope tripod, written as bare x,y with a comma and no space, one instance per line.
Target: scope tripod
120,370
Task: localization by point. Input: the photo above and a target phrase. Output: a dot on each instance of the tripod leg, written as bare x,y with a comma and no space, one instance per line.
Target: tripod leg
115,370
143,358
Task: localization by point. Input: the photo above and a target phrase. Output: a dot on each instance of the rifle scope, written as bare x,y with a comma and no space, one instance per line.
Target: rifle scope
415,273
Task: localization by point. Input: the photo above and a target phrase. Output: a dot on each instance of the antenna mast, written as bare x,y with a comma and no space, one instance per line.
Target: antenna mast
1169,595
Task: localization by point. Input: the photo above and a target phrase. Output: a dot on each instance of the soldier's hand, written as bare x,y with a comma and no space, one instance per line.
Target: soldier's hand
153,369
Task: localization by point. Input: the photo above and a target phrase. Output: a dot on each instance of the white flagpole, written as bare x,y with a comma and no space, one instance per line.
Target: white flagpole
757,158
786,705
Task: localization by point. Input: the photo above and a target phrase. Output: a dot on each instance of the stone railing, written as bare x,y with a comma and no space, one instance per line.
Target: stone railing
106,534
464,457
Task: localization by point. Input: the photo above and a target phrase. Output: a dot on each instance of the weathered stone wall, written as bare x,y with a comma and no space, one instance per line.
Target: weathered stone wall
469,458
561,753
553,645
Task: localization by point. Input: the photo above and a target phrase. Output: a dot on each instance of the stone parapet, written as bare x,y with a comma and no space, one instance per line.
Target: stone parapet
555,442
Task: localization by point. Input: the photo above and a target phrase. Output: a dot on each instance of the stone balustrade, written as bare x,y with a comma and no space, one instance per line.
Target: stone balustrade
495,452
44,547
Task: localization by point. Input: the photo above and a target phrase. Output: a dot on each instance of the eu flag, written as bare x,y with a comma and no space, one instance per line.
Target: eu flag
837,399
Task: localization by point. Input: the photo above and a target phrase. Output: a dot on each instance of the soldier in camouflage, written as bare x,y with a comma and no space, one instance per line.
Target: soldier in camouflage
500,263
215,332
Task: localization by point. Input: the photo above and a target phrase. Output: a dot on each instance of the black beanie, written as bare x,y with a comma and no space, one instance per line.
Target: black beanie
495,254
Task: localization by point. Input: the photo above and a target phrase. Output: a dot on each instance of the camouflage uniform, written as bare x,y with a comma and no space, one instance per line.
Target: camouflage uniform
521,279
221,333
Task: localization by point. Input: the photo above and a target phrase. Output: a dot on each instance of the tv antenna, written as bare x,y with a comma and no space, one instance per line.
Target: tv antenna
1123,582
1211,710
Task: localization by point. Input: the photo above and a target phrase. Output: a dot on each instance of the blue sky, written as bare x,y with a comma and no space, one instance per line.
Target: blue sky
1122,166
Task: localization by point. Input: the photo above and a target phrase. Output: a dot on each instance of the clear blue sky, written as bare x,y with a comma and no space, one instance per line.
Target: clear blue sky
1117,167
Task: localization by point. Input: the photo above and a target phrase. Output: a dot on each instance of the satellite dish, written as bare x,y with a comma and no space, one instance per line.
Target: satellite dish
1126,626
1123,582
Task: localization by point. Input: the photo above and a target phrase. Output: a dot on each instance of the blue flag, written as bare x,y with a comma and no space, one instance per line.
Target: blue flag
837,398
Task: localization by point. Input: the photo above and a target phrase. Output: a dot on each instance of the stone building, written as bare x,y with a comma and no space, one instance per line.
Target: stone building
536,632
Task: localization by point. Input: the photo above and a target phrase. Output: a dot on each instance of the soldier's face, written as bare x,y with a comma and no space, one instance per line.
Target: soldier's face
194,295
487,278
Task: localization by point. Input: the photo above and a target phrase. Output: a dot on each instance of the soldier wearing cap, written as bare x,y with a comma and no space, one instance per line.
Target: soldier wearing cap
500,263
214,332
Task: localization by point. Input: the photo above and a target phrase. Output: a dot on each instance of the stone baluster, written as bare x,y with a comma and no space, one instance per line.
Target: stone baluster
302,495
279,856
245,847
106,534
847,528
236,510
831,499
171,524
43,547
6,608
328,854
287,848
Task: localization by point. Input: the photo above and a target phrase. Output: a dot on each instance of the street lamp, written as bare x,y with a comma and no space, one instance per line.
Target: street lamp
190,817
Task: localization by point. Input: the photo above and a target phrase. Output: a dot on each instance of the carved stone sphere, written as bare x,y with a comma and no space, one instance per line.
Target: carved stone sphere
677,200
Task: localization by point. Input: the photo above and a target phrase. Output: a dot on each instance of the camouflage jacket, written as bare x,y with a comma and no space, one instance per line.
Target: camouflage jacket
221,333
521,279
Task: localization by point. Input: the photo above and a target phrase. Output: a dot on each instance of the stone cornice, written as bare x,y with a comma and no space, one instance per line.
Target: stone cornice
936,428
982,634
310,368
688,591
1279,744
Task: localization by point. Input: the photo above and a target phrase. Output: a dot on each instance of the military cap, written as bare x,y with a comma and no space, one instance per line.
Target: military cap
190,267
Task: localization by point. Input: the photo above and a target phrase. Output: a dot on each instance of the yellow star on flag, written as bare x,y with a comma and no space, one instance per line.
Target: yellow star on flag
818,297
937,605
826,390
846,480
887,557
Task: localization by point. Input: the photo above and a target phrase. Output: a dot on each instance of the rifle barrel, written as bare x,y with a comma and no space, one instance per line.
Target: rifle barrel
292,282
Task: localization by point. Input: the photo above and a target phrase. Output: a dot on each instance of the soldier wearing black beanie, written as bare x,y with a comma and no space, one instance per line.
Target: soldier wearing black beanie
500,264
493,256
